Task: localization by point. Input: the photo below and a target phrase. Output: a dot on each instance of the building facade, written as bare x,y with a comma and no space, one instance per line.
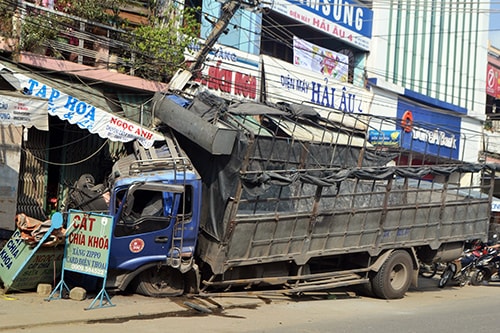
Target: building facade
437,52
419,68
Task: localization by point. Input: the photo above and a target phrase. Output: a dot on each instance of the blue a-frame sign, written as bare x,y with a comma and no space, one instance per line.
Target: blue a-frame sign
88,240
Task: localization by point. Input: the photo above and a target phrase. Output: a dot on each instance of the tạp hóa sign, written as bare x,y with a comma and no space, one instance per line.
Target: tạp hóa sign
88,243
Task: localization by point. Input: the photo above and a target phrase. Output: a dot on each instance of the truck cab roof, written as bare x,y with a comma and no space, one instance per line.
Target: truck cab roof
165,161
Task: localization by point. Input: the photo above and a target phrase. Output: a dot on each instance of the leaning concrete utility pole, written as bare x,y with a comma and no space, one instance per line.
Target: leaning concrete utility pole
180,78
228,10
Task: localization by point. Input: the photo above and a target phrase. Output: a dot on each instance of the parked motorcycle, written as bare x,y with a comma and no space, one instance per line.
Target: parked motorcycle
460,269
486,268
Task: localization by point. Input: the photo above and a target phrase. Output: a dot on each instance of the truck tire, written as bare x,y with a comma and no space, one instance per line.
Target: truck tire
160,282
394,277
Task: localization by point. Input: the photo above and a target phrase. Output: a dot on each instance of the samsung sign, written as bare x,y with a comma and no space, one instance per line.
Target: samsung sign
344,19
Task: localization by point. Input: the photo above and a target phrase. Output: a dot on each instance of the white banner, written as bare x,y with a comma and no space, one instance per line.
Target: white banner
229,73
85,115
320,60
23,111
287,82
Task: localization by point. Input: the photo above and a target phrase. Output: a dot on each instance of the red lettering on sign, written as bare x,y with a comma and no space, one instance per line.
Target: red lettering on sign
245,85
126,126
85,223
227,81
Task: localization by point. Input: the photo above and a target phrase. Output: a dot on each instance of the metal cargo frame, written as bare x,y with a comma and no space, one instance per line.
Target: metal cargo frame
297,200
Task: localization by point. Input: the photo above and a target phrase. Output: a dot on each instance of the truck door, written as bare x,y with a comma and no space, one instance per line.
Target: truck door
144,221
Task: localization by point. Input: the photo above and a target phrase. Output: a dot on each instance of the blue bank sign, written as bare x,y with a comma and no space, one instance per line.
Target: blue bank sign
344,19
429,132
384,138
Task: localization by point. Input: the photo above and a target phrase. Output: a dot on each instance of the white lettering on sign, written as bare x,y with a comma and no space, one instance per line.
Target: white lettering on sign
343,19
435,137
338,11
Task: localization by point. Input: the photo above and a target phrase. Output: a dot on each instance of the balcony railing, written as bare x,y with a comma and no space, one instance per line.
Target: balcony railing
43,31
492,123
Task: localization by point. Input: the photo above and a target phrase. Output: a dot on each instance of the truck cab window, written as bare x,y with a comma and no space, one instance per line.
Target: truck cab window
150,210
185,203
148,203
147,213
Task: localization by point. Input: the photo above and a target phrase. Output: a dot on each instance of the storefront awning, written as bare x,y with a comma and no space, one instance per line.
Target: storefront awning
79,111
19,110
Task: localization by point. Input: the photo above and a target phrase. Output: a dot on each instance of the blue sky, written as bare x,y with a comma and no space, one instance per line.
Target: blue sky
495,23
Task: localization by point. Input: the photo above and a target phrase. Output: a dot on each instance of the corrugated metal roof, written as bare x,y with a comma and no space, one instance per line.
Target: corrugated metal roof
252,125
303,132
70,85
314,134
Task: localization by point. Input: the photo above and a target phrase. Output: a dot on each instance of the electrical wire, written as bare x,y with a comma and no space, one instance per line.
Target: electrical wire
68,163
287,44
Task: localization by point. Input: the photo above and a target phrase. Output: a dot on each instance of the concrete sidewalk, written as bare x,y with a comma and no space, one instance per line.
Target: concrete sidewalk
29,309
25,310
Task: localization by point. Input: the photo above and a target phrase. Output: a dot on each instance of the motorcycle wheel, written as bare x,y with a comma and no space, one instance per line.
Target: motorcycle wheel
478,277
445,277
428,271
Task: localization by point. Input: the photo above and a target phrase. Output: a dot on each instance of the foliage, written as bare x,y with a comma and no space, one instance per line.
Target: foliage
6,12
37,29
154,51
101,11
488,125
159,47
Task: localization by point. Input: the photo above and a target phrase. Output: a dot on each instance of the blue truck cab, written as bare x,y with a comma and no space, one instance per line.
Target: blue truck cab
154,195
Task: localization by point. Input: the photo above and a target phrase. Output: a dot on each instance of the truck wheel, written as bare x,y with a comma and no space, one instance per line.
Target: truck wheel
160,282
394,277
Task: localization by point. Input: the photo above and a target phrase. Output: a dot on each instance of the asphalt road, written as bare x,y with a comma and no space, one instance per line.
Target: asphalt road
424,309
